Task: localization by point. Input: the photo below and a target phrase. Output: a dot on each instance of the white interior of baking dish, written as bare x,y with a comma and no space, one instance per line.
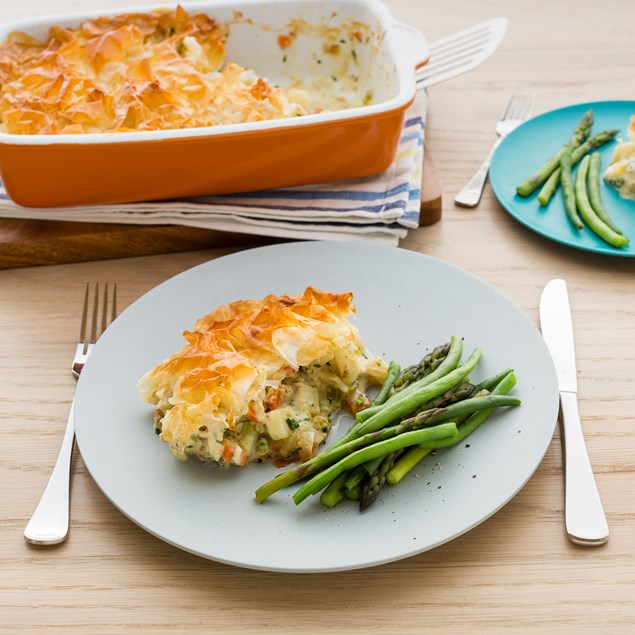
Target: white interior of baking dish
373,72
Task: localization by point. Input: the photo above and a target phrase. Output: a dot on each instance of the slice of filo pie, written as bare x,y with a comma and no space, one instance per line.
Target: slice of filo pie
262,379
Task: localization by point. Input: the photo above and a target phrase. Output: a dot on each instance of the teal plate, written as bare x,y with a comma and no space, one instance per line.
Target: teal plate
526,148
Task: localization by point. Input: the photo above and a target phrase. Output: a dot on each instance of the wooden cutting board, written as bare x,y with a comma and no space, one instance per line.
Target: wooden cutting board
431,195
25,243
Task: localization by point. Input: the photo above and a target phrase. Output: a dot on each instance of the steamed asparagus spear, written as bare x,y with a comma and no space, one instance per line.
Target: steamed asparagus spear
373,484
596,141
415,437
428,364
393,373
410,400
424,420
461,391
595,223
411,457
543,173
355,478
595,197
334,493
395,465
567,189
447,364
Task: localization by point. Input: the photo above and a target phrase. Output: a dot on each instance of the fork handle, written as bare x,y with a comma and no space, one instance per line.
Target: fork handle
471,194
49,523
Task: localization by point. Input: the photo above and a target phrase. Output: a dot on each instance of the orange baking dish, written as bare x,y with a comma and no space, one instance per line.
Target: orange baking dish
51,170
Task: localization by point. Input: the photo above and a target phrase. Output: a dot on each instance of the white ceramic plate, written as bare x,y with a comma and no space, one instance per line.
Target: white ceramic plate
406,304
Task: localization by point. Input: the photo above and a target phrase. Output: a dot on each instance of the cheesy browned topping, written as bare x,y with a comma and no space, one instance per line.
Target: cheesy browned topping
138,71
261,379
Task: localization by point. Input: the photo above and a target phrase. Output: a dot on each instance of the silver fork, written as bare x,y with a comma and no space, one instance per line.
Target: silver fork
518,109
49,523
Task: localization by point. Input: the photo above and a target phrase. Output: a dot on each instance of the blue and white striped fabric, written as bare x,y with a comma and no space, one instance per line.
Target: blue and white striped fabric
380,208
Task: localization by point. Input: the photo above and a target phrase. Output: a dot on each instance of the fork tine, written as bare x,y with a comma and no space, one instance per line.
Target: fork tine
82,328
113,314
105,323
99,307
527,105
519,106
508,108
104,310
530,100
93,327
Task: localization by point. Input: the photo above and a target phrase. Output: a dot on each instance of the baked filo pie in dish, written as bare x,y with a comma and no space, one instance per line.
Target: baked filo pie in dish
262,379
161,70
219,97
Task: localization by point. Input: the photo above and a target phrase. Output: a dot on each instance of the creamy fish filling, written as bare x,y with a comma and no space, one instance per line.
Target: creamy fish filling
289,423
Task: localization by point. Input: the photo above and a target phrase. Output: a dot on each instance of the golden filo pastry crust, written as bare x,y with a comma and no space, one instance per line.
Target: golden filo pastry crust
160,70
261,379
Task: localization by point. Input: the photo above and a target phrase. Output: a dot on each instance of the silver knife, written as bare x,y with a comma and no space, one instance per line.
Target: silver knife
585,520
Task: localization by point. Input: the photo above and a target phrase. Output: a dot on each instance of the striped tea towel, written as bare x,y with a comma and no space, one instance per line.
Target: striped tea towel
380,208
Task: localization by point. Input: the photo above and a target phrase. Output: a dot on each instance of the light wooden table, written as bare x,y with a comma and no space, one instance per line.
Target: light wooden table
515,572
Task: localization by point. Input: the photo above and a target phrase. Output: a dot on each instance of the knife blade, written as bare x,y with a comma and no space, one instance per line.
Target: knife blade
584,516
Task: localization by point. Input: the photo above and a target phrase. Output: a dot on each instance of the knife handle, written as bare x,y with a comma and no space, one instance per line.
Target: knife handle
585,520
